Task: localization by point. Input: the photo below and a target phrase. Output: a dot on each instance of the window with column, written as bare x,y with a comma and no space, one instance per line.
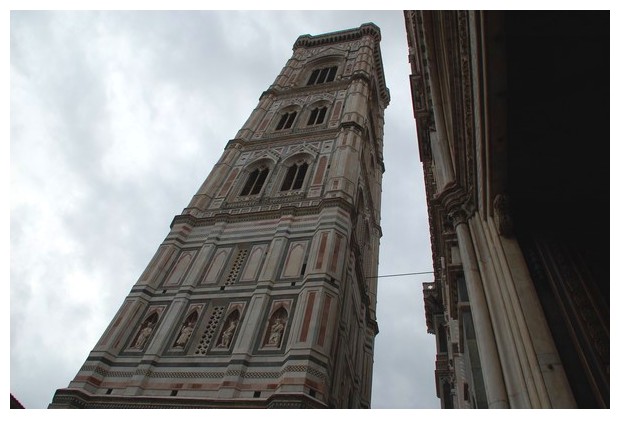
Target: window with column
323,75
294,178
255,182
317,116
286,121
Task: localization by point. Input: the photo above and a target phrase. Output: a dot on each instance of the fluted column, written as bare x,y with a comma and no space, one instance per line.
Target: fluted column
489,357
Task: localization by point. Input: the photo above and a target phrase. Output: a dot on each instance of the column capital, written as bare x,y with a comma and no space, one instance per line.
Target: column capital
458,215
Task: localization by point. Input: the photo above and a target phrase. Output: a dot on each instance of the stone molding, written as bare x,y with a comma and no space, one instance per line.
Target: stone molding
74,398
268,212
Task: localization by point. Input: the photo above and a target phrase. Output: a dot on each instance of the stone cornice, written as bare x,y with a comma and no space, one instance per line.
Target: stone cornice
368,29
271,140
296,91
227,217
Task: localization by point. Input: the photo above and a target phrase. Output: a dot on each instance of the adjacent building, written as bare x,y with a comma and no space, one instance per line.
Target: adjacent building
263,294
512,117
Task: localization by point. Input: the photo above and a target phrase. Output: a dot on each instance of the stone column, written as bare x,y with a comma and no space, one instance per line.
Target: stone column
489,358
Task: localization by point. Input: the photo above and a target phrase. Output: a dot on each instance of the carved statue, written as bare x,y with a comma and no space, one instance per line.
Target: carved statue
228,334
144,335
186,332
275,334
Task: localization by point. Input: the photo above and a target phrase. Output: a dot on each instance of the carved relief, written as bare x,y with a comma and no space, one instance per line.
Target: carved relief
228,332
298,101
458,216
324,96
145,331
276,327
186,330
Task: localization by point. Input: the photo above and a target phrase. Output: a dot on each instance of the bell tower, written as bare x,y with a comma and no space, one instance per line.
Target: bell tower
263,295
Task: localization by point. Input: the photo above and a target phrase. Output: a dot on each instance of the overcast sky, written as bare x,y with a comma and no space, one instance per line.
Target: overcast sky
116,120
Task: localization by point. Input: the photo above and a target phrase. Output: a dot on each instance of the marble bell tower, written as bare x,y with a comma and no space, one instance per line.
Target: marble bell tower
263,293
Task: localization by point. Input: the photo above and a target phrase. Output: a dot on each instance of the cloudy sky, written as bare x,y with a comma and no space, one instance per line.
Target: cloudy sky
117,118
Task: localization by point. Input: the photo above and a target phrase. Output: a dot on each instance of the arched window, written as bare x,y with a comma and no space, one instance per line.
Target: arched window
294,178
286,121
317,116
255,182
323,75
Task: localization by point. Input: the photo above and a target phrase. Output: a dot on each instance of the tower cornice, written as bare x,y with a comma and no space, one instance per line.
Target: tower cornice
367,29
228,217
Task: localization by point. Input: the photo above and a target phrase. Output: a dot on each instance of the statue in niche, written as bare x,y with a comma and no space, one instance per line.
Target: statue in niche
229,332
276,329
276,332
185,333
144,335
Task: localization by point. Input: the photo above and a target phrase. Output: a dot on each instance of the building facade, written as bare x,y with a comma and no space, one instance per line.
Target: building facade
512,113
263,294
